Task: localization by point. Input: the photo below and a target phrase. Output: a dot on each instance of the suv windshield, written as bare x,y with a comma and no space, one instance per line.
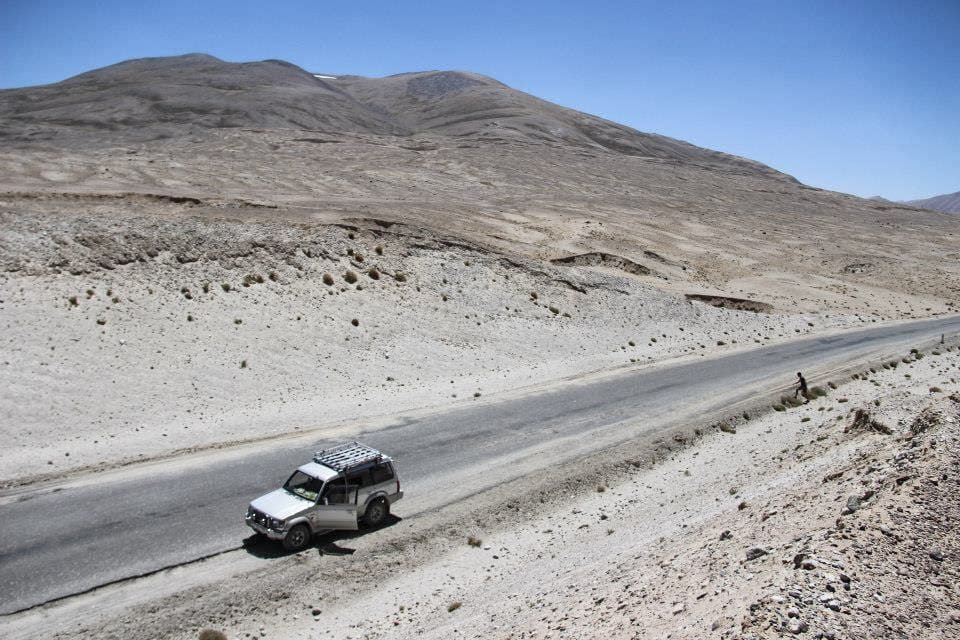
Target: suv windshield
300,484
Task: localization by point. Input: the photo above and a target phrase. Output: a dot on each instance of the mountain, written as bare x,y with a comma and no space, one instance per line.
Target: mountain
948,203
155,98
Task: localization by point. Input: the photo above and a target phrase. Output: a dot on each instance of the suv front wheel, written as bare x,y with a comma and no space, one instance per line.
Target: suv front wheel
297,538
376,513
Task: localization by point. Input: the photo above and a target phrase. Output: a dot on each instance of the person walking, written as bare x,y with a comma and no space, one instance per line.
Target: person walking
801,387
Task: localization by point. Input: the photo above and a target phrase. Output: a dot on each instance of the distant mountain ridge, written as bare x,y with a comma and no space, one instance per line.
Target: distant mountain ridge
947,203
154,98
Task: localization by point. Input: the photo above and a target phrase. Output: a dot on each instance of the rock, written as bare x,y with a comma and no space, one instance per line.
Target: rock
853,503
797,627
793,612
833,604
936,554
725,534
755,552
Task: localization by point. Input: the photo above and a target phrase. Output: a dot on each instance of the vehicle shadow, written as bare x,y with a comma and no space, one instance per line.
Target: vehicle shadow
327,544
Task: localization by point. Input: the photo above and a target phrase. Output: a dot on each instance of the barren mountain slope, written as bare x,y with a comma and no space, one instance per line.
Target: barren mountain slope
156,98
948,203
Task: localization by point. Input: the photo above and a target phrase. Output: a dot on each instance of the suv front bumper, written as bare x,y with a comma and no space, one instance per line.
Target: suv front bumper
273,534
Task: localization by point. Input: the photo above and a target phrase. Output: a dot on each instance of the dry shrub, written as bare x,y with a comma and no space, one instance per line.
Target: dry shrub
818,392
453,606
474,542
400,277
373,273
350,277
863,420
211,634
790,401
328,279
927,419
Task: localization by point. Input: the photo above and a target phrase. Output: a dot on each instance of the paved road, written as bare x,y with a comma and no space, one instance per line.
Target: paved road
57,543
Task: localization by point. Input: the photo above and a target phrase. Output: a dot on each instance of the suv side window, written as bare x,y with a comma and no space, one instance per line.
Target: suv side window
339,492
360,478
381,473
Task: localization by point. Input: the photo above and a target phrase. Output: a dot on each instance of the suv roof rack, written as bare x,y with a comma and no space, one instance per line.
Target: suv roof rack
344,456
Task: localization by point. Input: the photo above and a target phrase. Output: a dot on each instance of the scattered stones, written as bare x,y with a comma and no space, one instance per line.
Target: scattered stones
756,552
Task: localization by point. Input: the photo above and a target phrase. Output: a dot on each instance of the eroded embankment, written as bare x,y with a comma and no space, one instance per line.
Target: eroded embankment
192,331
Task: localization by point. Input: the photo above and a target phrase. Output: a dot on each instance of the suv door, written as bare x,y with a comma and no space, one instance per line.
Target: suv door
336,507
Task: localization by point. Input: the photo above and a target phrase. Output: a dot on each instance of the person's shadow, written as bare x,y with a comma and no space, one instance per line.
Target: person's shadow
326,544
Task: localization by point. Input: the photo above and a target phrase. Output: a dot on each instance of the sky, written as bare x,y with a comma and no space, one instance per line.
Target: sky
855,96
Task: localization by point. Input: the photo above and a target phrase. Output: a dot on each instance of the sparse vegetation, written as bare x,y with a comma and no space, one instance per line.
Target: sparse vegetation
237,321
355,322
818,392
790,401
350,277
373,273
400,277
328,279
73,301
225,286
378,249
243,364
863,420
453,606
211,634
474,542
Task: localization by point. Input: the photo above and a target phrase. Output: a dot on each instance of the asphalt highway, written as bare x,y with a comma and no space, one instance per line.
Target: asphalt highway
56,543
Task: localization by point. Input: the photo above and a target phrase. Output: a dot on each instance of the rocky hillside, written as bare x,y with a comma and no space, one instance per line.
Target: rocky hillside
157,97
948,203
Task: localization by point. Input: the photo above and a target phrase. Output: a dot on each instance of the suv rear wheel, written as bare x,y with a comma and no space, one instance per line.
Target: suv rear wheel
376,513
297,538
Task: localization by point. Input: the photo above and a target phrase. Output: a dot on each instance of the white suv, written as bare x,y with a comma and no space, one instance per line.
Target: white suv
342,488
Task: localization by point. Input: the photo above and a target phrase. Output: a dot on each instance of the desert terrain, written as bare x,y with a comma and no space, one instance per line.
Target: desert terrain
197,255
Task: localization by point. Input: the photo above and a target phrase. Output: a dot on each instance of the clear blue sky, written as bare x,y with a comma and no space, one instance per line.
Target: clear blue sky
857,96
